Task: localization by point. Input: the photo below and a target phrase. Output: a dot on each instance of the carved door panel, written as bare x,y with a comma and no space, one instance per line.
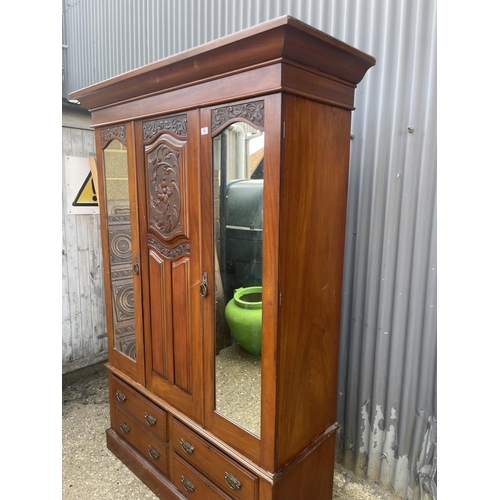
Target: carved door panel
119,222
170,212
121,264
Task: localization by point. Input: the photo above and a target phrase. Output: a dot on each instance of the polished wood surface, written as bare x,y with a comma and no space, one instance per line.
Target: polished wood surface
169,207
314,197
283,39
140,466
124,134
212,463
261,451
138,407
311,477
305,82
193,484
152,449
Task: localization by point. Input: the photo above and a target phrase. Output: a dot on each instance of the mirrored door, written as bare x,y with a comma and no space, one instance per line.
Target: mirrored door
121,259
238,184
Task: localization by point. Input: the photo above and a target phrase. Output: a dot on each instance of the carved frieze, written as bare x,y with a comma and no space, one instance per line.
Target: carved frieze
175,124
165,211
117,132
169,253
121,274
126,330
250,111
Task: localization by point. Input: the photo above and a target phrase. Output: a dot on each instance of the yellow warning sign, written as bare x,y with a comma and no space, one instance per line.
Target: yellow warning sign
86,196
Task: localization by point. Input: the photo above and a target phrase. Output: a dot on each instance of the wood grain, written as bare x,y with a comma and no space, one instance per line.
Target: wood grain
306,81
314,195
282,38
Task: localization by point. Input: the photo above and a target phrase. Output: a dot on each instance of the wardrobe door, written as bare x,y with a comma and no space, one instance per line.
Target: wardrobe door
170,216
240,168
120,236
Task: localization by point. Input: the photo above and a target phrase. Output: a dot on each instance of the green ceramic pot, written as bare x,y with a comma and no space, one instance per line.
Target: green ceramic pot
244,317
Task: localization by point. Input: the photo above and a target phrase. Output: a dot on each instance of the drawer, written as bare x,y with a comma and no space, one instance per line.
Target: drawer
155,450
223,471
193,484
154,418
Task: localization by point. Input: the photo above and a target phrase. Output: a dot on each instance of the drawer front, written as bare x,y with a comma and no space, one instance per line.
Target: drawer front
193,484
154,418
147,444
224,472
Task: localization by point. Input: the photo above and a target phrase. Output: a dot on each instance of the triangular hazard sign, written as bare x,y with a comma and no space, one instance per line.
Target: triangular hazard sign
87,196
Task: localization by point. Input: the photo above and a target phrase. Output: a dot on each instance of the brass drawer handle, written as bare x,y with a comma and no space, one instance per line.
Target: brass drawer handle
188,485
120,396
150,420
187,447
153,453
124,428
232,482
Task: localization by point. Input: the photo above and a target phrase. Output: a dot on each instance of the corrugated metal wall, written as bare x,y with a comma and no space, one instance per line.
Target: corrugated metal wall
387,374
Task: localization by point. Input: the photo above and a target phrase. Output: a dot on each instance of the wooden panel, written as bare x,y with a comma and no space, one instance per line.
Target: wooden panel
270,298
180,315
149,475
193,484
314,179
316,86
311,476
161,309
166,190
213,463
138,407
150,447
239,86
169,208
281,38
254,82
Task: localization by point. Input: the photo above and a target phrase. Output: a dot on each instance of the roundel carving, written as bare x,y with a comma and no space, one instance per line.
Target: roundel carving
125,301
120,247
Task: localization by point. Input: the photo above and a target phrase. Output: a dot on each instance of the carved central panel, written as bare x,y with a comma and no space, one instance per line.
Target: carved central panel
165,210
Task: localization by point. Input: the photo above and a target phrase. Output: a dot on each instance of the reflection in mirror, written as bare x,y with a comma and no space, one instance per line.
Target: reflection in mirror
120,247
238,162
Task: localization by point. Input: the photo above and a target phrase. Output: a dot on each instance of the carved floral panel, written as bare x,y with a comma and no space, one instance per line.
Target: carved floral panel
253,112
175,124
165,210
119,132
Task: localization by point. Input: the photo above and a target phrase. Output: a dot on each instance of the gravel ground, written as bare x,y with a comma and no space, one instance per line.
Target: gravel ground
90,471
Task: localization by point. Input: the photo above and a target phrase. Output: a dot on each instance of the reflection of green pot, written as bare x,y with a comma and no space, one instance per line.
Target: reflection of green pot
244,317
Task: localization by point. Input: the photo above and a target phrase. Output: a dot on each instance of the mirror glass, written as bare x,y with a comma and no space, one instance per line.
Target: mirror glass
120,247
238,162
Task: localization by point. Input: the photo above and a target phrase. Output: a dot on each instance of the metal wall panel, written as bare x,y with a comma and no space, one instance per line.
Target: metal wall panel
387,373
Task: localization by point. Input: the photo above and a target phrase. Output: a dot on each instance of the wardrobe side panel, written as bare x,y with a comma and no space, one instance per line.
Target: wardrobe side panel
312,227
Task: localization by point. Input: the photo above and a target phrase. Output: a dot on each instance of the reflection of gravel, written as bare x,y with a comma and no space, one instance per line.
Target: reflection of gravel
91,472
238,387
